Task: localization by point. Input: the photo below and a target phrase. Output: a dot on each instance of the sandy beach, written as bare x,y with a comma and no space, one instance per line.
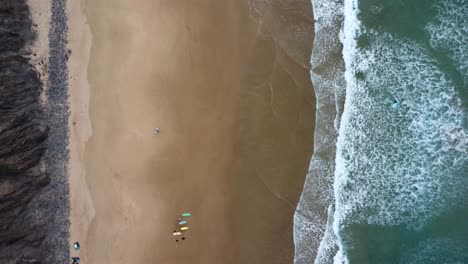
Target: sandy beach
235,110
81,206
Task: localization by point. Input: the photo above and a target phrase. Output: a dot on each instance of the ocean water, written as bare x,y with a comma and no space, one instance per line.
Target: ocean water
399,177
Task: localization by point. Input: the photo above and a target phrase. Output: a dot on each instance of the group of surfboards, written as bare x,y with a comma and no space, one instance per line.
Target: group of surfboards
182,225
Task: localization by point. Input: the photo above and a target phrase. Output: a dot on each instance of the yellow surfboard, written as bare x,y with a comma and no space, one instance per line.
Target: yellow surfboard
184,228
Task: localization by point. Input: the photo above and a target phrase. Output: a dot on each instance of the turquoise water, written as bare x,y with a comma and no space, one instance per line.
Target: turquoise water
400,176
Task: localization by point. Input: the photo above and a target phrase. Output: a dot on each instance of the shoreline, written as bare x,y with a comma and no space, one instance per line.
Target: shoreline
313,220
275,140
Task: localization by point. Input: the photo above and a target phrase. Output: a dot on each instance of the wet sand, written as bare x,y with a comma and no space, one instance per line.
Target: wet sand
275,133
232,151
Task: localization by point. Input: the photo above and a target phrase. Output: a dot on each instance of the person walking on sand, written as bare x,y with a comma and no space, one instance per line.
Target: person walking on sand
76,245
156,130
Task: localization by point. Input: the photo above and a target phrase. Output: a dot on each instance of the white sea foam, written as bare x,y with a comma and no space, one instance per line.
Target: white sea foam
310,219
326,13
449,32
348,33
328,246
395,167
398,151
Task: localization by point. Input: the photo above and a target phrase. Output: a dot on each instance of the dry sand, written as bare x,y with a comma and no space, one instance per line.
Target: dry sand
232,151
81,206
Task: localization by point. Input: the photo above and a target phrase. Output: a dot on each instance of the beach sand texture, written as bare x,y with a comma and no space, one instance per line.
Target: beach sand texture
235,111
81,206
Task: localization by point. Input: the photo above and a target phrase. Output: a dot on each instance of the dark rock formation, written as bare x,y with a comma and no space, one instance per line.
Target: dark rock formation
23,133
